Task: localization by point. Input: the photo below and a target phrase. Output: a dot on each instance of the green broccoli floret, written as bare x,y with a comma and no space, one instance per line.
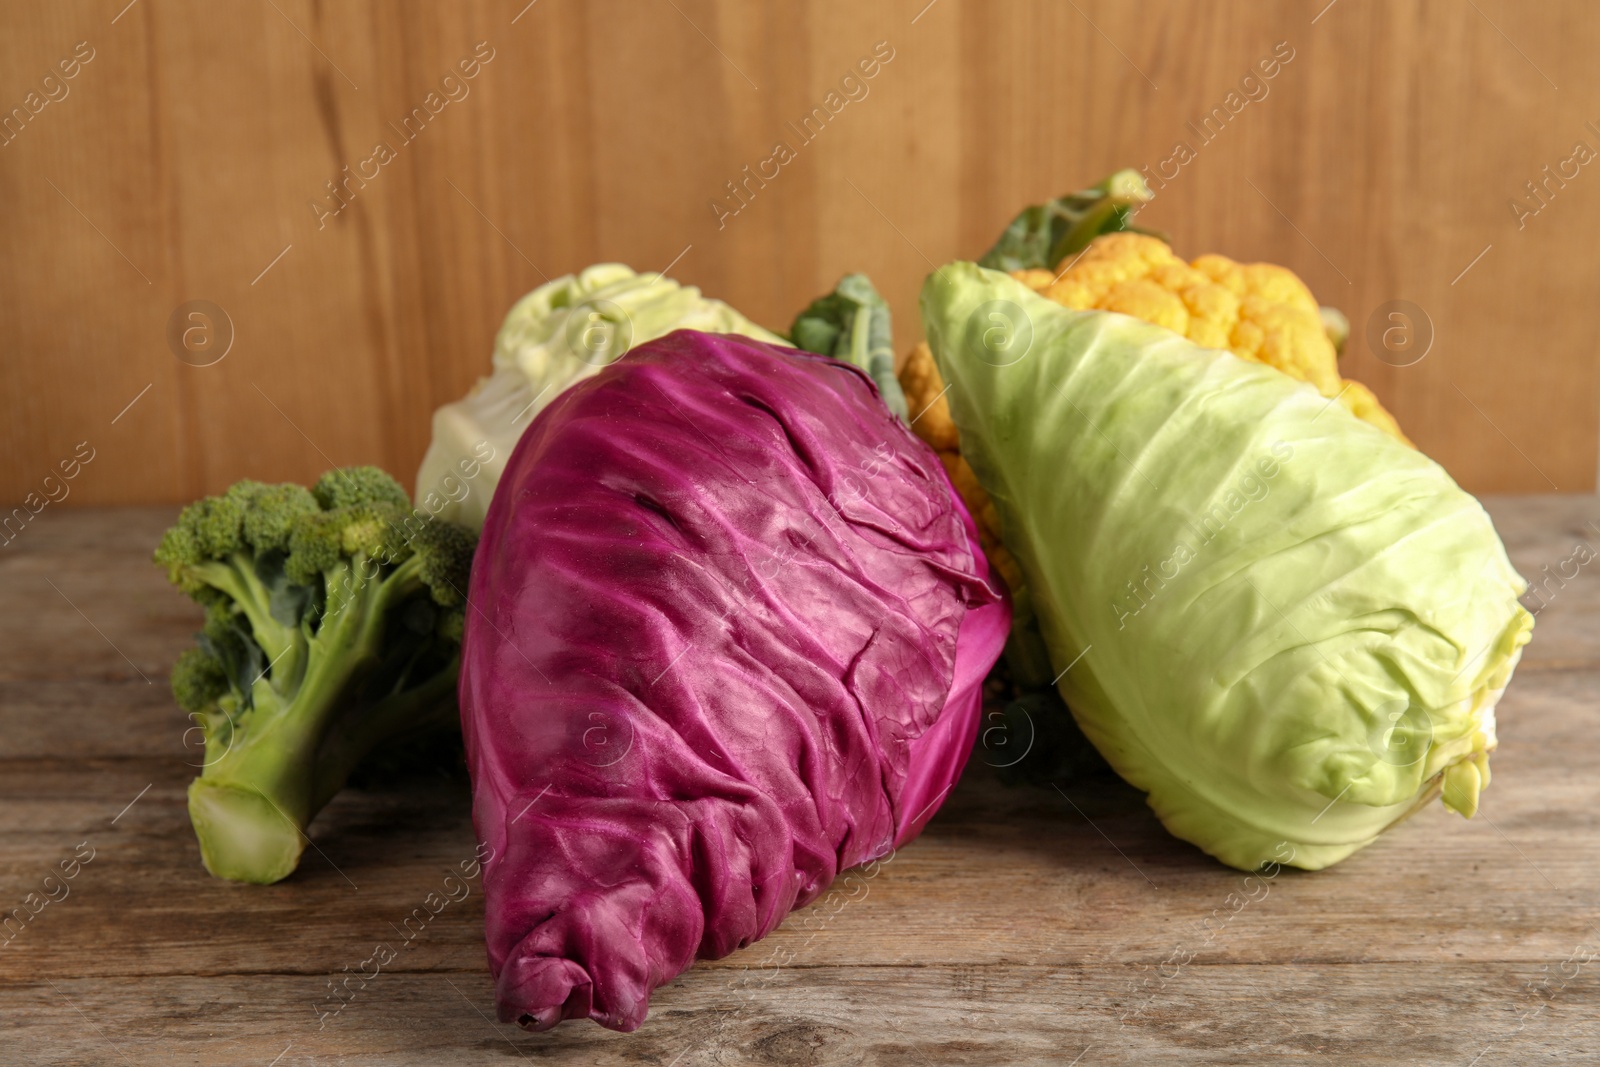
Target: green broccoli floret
351,486
198,680
270,519
333,625
446,553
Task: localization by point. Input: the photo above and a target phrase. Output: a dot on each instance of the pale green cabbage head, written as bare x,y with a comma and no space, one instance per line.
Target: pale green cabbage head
560,333
1286,627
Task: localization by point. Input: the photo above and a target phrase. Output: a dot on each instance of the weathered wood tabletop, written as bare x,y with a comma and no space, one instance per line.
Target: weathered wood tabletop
1025,926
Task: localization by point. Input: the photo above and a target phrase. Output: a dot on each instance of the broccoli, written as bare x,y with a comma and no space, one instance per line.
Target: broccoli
333,624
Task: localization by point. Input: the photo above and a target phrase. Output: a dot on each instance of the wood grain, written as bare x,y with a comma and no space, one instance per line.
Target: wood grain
1021,928
187,153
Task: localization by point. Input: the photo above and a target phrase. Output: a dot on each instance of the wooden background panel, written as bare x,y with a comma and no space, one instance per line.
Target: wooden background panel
186,158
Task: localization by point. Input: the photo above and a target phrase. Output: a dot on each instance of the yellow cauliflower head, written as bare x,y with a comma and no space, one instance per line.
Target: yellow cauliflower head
1257,311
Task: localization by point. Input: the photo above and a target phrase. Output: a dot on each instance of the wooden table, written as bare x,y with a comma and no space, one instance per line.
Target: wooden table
1021,928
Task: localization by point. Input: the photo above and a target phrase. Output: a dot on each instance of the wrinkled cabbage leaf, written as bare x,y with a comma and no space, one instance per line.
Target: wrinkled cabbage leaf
727,634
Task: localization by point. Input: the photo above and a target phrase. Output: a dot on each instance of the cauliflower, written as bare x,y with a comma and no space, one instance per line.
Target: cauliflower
1257,311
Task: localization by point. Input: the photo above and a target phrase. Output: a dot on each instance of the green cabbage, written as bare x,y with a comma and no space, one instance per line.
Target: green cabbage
1286,627
560,333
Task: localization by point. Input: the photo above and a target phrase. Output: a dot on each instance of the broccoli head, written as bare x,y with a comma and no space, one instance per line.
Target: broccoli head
333,625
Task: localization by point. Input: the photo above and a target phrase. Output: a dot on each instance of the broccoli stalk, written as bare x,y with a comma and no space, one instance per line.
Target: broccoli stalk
333,625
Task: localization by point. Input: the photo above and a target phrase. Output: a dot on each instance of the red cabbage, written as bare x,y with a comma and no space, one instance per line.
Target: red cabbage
726,636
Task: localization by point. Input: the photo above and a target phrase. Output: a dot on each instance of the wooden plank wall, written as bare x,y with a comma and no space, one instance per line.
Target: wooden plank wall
182,160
